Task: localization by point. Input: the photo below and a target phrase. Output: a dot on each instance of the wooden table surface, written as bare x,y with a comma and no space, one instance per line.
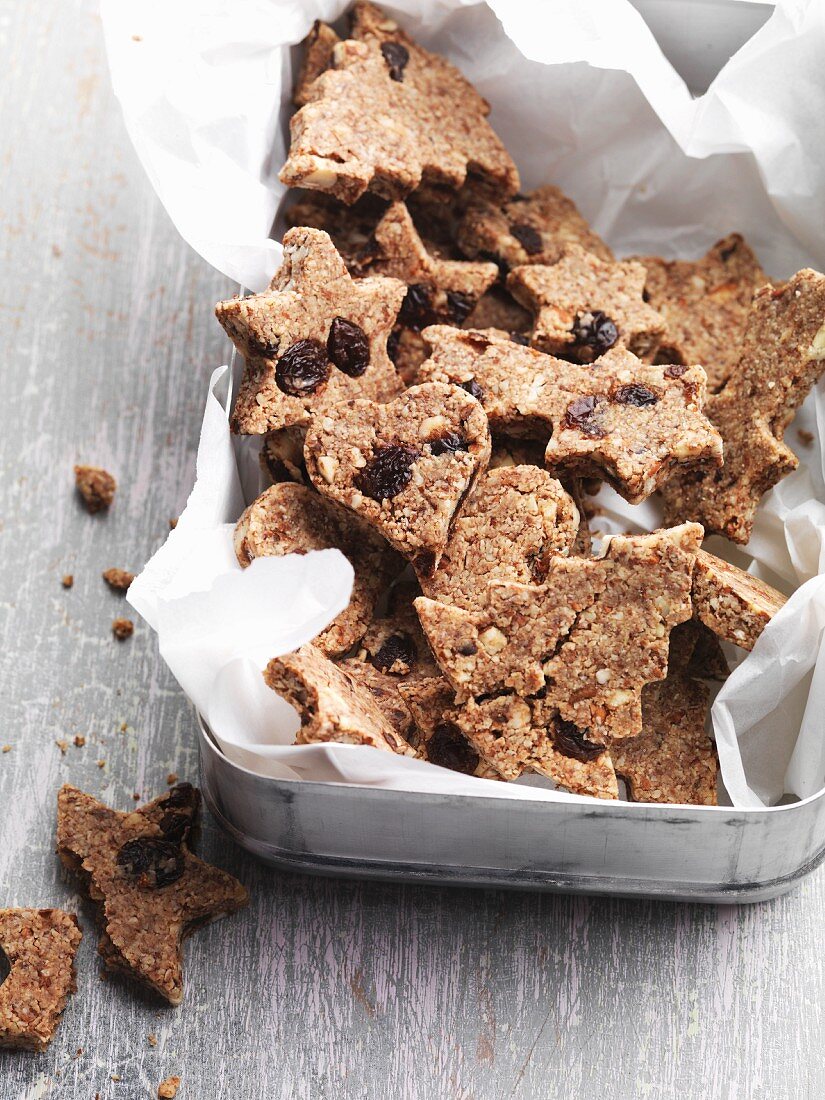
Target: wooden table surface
320,989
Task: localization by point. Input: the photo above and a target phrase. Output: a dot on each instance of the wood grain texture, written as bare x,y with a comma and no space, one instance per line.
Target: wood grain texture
320,989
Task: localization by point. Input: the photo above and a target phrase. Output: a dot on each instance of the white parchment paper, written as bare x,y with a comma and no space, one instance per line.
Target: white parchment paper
584,98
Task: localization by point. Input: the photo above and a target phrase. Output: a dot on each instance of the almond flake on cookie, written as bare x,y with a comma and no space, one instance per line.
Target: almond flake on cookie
529,229
705,305
406,467
314,339
151,891
292,519
510,528
38,946
673,759
387,116
782,356
629,422
586,641
331,703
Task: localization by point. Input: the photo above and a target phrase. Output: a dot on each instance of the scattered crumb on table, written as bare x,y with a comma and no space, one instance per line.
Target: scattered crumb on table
119,579
806,438
152,1040
62,745
6,748
123,629
79,740
96,486
172,778
173,523
168,1088
68,580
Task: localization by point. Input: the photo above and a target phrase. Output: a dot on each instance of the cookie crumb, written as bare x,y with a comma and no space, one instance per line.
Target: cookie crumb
123,629
172,778
116,1077
124,727
152,1040
136,796
62,745
118,578
79,740
101,763
173,522
96,486
168,1088
68,580
806,438
6,748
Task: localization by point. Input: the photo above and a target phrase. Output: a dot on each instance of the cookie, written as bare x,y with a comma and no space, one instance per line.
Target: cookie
735,605
38,947
292,519
516,735
437,737
394,643
387,116
439,290
332,705
529,229
384,690
282,455
151,891
673,760
314,339
405,467
627,422
584,306
318,47
704,304
512,525
586,641
783,355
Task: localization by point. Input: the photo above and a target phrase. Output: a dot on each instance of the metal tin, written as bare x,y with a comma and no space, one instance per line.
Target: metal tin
681,853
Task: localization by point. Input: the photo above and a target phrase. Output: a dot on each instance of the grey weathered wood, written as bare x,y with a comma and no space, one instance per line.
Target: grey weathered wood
321,989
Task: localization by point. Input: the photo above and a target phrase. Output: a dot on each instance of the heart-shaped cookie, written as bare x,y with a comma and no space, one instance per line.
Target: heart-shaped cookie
405,467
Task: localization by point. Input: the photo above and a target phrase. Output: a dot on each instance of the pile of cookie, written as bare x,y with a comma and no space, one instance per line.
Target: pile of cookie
440,374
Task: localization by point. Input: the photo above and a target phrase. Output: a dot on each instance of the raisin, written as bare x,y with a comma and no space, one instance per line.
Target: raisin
492,258
520,338
398,649
396,57
417,308
634,394
260,346
528,237
348,347
594,333
579,414
151,861
448,444
392,345
175,826
675,370
183,795
387,472
726,253
459,306
571,741
449,748
469,649
302,368
473,389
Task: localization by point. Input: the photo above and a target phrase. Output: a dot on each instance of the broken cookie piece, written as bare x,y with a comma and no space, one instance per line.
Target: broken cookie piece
705,305
388,115
37,975
405,467
313,339
394,643
586,641
783,355
529,229
292,519
673,759
584,306
96,486
516,735
331,703
384,690
512,525
735,605
150,889
437,738
622,420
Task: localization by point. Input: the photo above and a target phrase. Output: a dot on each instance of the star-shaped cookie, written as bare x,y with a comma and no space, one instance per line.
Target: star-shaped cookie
783,355
405,467
315,338
38,947
629,422
584,306
389,115
150,889
586,641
